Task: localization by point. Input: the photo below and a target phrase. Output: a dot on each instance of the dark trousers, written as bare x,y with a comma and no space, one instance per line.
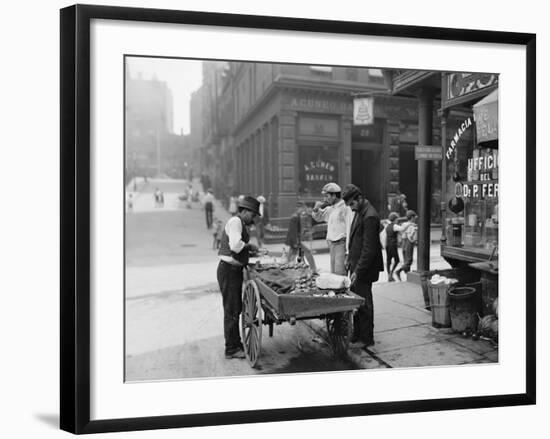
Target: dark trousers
363,323
208,211
408,252
230,280
392,255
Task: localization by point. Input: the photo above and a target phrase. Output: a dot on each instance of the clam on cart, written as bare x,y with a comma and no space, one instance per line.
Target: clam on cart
277,293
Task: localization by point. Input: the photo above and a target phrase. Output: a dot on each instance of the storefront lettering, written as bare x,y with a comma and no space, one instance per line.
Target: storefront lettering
319,170
483,167
321,105
480,190
463,126
486,119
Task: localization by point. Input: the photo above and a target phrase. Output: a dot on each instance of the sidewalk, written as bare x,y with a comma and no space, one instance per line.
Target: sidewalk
404,336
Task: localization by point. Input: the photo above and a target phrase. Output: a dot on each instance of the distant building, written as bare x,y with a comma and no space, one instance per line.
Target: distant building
149,122
196,130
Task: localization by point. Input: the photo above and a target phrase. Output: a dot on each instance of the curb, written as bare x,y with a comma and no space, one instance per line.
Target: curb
360,357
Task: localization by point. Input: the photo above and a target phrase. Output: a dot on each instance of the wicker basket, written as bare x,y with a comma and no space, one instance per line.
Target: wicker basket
439,304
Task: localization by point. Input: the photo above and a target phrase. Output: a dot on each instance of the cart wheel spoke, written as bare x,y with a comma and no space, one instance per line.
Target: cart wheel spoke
251,322
339,331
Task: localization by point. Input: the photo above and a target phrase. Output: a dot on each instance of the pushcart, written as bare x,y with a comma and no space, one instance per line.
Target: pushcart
263,305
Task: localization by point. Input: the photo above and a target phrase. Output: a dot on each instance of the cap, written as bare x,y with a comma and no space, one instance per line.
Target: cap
250,203
393,216
261,199
410,214
350,192
331,188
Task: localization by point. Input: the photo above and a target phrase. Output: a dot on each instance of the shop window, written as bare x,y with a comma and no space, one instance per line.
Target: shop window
376,76
480,194
318,166
352,74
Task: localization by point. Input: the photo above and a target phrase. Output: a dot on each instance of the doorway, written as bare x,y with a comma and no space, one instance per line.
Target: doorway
408,175
366,174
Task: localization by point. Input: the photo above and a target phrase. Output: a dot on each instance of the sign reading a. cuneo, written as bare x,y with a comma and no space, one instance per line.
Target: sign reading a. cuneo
428,152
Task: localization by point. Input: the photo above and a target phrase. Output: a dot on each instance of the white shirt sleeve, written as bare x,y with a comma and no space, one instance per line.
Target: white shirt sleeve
322,214
401,228
234,229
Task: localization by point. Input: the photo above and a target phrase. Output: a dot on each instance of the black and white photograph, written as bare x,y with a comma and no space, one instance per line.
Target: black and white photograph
274,219
286,218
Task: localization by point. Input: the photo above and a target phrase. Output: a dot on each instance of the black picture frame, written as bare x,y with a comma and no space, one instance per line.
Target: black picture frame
76,209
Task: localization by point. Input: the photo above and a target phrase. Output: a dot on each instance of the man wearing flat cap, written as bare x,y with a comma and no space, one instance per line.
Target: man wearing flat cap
338,217
234,252
364,260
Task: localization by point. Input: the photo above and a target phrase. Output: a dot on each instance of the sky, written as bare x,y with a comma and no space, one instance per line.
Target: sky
182,77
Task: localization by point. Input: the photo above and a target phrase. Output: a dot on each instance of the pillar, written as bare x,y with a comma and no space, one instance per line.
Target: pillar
443,205
425,122
287,159
345,151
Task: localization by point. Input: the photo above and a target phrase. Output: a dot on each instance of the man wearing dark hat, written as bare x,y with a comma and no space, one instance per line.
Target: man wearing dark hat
364,260
234,253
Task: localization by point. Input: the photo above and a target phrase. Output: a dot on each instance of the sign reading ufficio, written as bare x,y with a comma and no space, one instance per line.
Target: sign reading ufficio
428,152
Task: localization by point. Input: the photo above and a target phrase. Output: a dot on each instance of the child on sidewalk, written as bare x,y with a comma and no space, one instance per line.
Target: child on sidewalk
392,255
409,229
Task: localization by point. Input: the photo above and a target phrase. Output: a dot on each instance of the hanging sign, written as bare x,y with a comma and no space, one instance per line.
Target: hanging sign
454,141
458,88
363,111
486,118
428,152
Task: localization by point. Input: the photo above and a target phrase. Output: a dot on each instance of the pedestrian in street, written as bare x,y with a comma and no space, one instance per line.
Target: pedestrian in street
364,260
130,202
392,254
295,237
208,203
157,197
409,231
189,204
338,217
234,253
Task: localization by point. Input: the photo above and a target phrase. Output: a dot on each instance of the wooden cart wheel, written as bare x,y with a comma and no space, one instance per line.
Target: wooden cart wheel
251,322
339,329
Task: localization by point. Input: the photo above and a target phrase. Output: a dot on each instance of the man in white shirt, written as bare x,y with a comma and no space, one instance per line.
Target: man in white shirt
338,216
234,252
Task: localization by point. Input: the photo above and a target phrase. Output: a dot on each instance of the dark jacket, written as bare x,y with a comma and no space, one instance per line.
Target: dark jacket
294,231
365,250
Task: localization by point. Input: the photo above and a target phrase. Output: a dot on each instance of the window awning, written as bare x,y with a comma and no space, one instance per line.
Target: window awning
486,117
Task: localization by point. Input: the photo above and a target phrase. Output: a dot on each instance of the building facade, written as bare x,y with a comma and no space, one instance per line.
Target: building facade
467,108
291,129
148,125
196,131
285,130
